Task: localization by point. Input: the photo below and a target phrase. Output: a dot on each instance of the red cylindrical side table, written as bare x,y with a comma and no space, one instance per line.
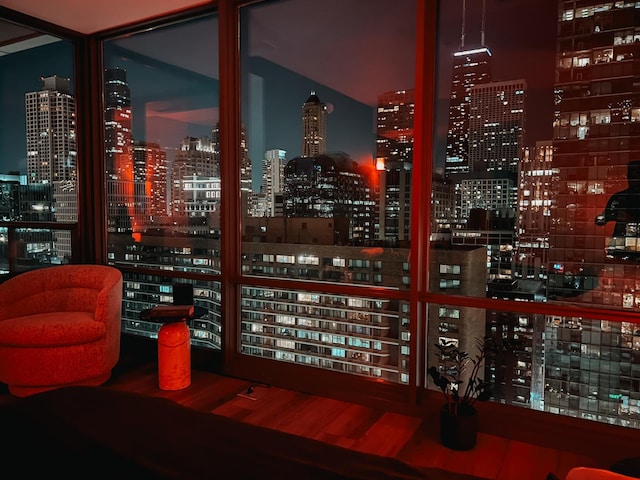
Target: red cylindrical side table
174,356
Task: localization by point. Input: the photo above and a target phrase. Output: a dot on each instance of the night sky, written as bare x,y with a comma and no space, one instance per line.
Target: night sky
175,94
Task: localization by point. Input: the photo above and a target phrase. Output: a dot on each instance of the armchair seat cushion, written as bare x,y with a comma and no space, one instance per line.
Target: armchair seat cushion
51,329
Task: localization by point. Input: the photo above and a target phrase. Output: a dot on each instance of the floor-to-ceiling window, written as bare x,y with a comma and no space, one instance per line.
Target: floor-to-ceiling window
327,108
38,149
162,162
535,191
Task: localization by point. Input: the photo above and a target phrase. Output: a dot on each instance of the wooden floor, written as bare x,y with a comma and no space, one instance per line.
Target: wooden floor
353,426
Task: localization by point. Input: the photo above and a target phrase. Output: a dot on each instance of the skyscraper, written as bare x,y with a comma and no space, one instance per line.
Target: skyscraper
246,169
314,127
195,162
273,180
117,124
496,125
394,157
125,194
470,67
534,211
51,158
330,186
51,132
590,363
150,169
596,135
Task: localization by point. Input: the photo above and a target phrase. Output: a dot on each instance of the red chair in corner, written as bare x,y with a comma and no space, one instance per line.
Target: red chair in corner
59,326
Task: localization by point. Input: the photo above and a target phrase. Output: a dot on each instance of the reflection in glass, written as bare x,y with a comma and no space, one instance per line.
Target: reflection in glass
534,151
162,154
329,124
570,366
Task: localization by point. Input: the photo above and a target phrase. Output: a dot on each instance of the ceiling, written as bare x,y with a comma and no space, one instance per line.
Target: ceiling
91,16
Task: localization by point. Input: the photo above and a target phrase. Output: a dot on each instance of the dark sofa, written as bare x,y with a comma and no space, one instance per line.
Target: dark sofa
100,433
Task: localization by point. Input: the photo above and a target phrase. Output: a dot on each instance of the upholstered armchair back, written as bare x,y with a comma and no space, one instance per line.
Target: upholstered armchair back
95,289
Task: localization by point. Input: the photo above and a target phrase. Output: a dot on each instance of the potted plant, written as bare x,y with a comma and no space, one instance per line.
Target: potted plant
459,377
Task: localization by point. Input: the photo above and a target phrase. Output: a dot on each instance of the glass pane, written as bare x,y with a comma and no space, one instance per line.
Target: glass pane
536,169
585,368
162,155
146,291
330,142
328,118
38,151
357,335
23,249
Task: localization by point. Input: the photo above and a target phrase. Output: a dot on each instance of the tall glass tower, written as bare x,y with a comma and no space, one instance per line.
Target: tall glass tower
314,127
591,364
470,67
51,132
394,159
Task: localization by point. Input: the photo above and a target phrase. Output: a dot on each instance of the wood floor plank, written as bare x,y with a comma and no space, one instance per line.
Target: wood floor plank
338,440
424,448
233,410
352,422
388,435
313,416
525,461
271,409
484,460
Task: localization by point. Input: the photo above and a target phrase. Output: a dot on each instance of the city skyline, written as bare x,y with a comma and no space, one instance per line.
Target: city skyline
518,53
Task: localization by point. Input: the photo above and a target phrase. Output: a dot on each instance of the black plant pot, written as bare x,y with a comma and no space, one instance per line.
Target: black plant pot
459,432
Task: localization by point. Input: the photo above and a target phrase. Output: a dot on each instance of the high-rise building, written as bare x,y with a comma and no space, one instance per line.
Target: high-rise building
9,184
246,168
360,335
51,132
593,250
118,125
394,158
194,163
273,180
470,67
51,158
150,169
485,198
126,199
495,138
330,186
535,175
487,192
65,198
314,127
443,202
496,126
456,269
596,135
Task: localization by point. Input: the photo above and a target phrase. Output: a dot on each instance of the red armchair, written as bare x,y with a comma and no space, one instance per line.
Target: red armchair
584,473
59,326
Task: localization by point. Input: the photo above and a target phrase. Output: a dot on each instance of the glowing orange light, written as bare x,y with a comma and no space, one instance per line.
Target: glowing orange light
372,251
